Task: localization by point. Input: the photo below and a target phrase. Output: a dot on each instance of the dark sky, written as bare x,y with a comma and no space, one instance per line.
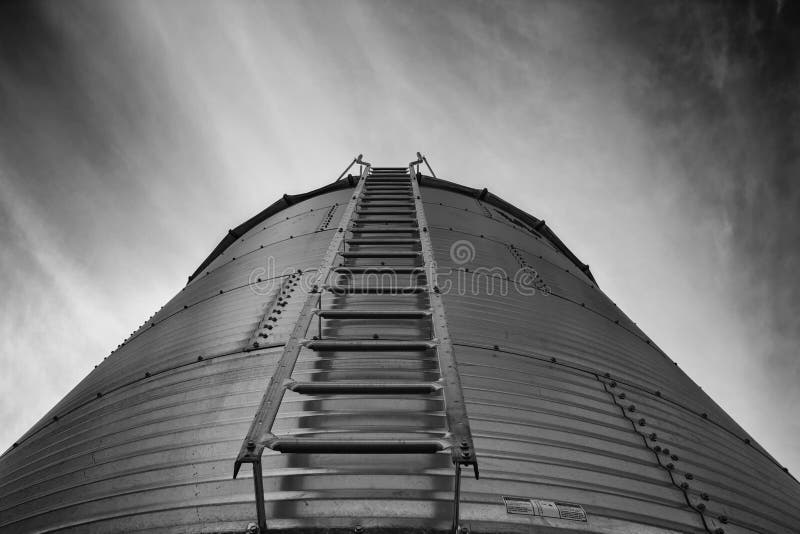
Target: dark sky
659,139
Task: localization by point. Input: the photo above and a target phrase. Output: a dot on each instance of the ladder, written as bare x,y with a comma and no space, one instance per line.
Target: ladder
379,272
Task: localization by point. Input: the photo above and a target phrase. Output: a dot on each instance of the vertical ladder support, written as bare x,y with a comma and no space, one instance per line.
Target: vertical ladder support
463,450
260,434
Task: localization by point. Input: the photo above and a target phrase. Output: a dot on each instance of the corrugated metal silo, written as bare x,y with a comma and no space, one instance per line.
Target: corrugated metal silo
358,346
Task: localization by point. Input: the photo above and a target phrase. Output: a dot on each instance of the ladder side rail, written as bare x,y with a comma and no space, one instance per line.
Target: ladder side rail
260,434
463,450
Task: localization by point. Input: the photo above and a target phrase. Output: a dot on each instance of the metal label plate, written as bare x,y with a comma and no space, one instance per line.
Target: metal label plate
517,505
555,509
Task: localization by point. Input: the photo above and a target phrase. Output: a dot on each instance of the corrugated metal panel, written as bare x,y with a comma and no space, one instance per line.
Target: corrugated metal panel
542,376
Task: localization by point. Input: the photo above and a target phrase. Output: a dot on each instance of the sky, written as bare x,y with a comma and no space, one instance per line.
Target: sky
660,140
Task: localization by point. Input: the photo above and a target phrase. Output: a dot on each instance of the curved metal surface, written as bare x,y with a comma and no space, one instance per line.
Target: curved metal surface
569,402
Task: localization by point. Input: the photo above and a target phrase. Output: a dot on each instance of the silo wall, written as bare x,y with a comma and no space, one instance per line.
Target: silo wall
581,423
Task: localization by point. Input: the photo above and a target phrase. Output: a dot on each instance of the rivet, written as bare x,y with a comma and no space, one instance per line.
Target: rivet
704,415
719,531
653,437
657,448
632,408
723,519
553,360
670,467
220,292
689,476
622,395
704,496
642,422
55,418
99,394
666,451
684,485
185,306
374,336
675,458
496,347
747,440
147,374
700,506
250,444
658,393
358,529
255,344
613,384
607,375
199,358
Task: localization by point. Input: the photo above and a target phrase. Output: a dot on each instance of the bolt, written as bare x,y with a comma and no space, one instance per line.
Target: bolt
700,506
607,375
613,384
723,519
705,496
147,374
658,393
689,476
358,529
670,467
747,441
621,395
496,347
719,531
684,485
642,422
552,360
674,457
632,408
657,448
704,415
653,437
251,445
252,528
666,451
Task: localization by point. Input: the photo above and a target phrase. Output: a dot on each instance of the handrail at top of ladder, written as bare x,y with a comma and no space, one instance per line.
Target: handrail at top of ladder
422,159
358,160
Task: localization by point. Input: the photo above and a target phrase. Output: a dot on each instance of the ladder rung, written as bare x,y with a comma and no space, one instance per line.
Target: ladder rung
380,197
393,187
362,446
384,230
375,387
384,204
382,241
380,211
379,270
379,187
380,254
370,344
385,221
373,314
377,290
